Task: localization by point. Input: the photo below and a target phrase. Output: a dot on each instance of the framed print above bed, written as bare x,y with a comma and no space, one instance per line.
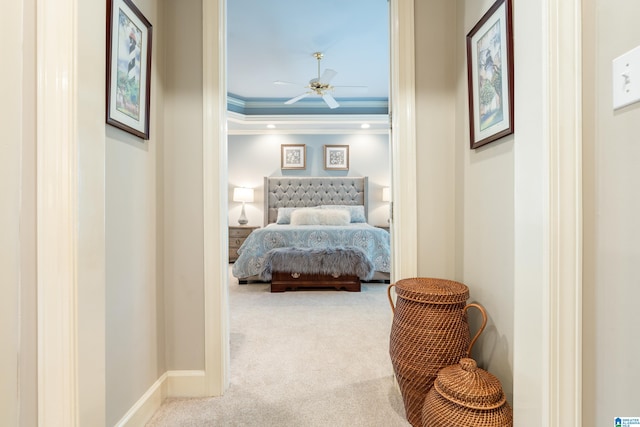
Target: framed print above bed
336,157
293,156
490,75
128,68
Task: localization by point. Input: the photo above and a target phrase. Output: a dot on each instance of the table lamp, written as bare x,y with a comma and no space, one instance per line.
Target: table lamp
386,197
242,194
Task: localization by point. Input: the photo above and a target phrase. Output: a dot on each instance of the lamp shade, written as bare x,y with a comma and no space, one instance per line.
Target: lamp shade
386,194
242,194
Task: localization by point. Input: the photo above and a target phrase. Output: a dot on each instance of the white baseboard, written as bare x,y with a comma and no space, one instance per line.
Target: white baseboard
186,384
170,384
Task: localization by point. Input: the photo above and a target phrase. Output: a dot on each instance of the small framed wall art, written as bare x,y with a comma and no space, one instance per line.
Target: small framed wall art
128,68
490,75
293,156
336,157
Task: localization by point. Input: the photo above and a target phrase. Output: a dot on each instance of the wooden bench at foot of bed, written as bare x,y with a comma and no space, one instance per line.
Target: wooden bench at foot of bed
281,281
294,268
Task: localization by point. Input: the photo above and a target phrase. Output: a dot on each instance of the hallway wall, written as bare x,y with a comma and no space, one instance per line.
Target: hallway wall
18,357
180,176
611,156
133,300
465,198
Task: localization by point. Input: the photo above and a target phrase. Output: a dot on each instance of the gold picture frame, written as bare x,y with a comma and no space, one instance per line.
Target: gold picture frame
336,157
293,156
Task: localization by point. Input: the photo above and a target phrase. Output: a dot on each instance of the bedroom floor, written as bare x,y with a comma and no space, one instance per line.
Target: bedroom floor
304,358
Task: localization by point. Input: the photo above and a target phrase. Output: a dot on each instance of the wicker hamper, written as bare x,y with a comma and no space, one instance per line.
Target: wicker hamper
464,395
429,331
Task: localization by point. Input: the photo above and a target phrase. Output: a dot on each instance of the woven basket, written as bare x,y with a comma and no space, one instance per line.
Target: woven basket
429,331
464,395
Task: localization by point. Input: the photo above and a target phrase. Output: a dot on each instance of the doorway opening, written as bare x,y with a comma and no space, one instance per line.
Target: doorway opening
216,185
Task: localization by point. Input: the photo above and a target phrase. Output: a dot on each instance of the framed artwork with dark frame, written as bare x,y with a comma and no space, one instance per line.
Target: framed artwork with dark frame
293,156
128,68
490,75
336,157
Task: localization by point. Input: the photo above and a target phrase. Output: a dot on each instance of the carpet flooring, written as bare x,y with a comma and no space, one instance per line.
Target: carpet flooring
303,358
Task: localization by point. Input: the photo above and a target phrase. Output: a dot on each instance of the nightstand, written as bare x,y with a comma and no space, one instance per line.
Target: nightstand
237,235
384,227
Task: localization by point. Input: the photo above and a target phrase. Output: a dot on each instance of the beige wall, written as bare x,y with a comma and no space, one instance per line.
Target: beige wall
91,216
485,195
18,405
435,136
133,330
10,192
465,197
182,209
612,230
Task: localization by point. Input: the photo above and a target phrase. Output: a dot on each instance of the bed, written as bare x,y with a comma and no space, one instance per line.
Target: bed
286,197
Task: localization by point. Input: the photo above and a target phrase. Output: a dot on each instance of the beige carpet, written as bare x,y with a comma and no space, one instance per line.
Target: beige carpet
305,358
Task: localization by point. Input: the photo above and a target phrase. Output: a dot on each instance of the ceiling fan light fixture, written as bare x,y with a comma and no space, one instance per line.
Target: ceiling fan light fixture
319,85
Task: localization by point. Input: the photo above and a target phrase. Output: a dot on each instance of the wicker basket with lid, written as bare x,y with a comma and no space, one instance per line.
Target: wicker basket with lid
429,331
466,396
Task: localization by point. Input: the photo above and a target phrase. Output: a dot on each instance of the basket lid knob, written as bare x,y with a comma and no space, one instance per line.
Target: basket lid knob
470,386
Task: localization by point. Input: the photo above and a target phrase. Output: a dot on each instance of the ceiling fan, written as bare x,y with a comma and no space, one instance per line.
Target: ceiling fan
318,85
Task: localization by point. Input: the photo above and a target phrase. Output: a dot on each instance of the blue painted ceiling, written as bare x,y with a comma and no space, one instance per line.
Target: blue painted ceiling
274,40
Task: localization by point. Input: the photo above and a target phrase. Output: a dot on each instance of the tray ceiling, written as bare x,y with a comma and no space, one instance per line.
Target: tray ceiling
274,40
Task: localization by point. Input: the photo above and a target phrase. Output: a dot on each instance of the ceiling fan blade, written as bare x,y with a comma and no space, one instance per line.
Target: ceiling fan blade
357,89
297,98
281,82
330,100
328,75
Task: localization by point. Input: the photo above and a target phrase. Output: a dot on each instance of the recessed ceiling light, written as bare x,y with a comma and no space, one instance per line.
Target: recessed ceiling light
271,126
365,126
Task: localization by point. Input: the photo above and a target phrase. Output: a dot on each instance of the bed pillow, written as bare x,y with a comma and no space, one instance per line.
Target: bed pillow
284,215
312,216
355,211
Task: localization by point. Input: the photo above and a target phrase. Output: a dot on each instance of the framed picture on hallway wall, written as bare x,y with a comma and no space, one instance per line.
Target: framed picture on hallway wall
336,157
293,156
128,68
490,75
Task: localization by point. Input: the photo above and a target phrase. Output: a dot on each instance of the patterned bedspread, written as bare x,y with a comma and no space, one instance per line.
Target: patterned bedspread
374,241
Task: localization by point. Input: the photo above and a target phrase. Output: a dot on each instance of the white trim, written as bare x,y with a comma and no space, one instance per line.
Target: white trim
214,158
403,141
335,124
278,104
564,334
187,384
57,201
170,384
147,405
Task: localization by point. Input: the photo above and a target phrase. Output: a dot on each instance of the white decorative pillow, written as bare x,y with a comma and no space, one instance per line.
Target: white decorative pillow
355,211
335,217
284,214
320,217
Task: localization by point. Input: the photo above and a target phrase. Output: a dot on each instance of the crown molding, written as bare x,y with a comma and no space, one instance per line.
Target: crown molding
313,105
317,124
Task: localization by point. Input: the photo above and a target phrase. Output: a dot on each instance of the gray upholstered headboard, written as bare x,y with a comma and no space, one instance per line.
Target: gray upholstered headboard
282,191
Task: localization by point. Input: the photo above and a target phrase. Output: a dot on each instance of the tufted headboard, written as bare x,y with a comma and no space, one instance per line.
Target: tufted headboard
282,191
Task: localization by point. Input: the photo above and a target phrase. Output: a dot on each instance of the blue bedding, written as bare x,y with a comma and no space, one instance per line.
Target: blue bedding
374,241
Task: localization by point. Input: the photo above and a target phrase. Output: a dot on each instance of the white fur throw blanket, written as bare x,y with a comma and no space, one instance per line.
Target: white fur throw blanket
348,260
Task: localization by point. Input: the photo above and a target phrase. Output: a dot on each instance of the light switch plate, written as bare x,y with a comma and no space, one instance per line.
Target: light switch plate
626,79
